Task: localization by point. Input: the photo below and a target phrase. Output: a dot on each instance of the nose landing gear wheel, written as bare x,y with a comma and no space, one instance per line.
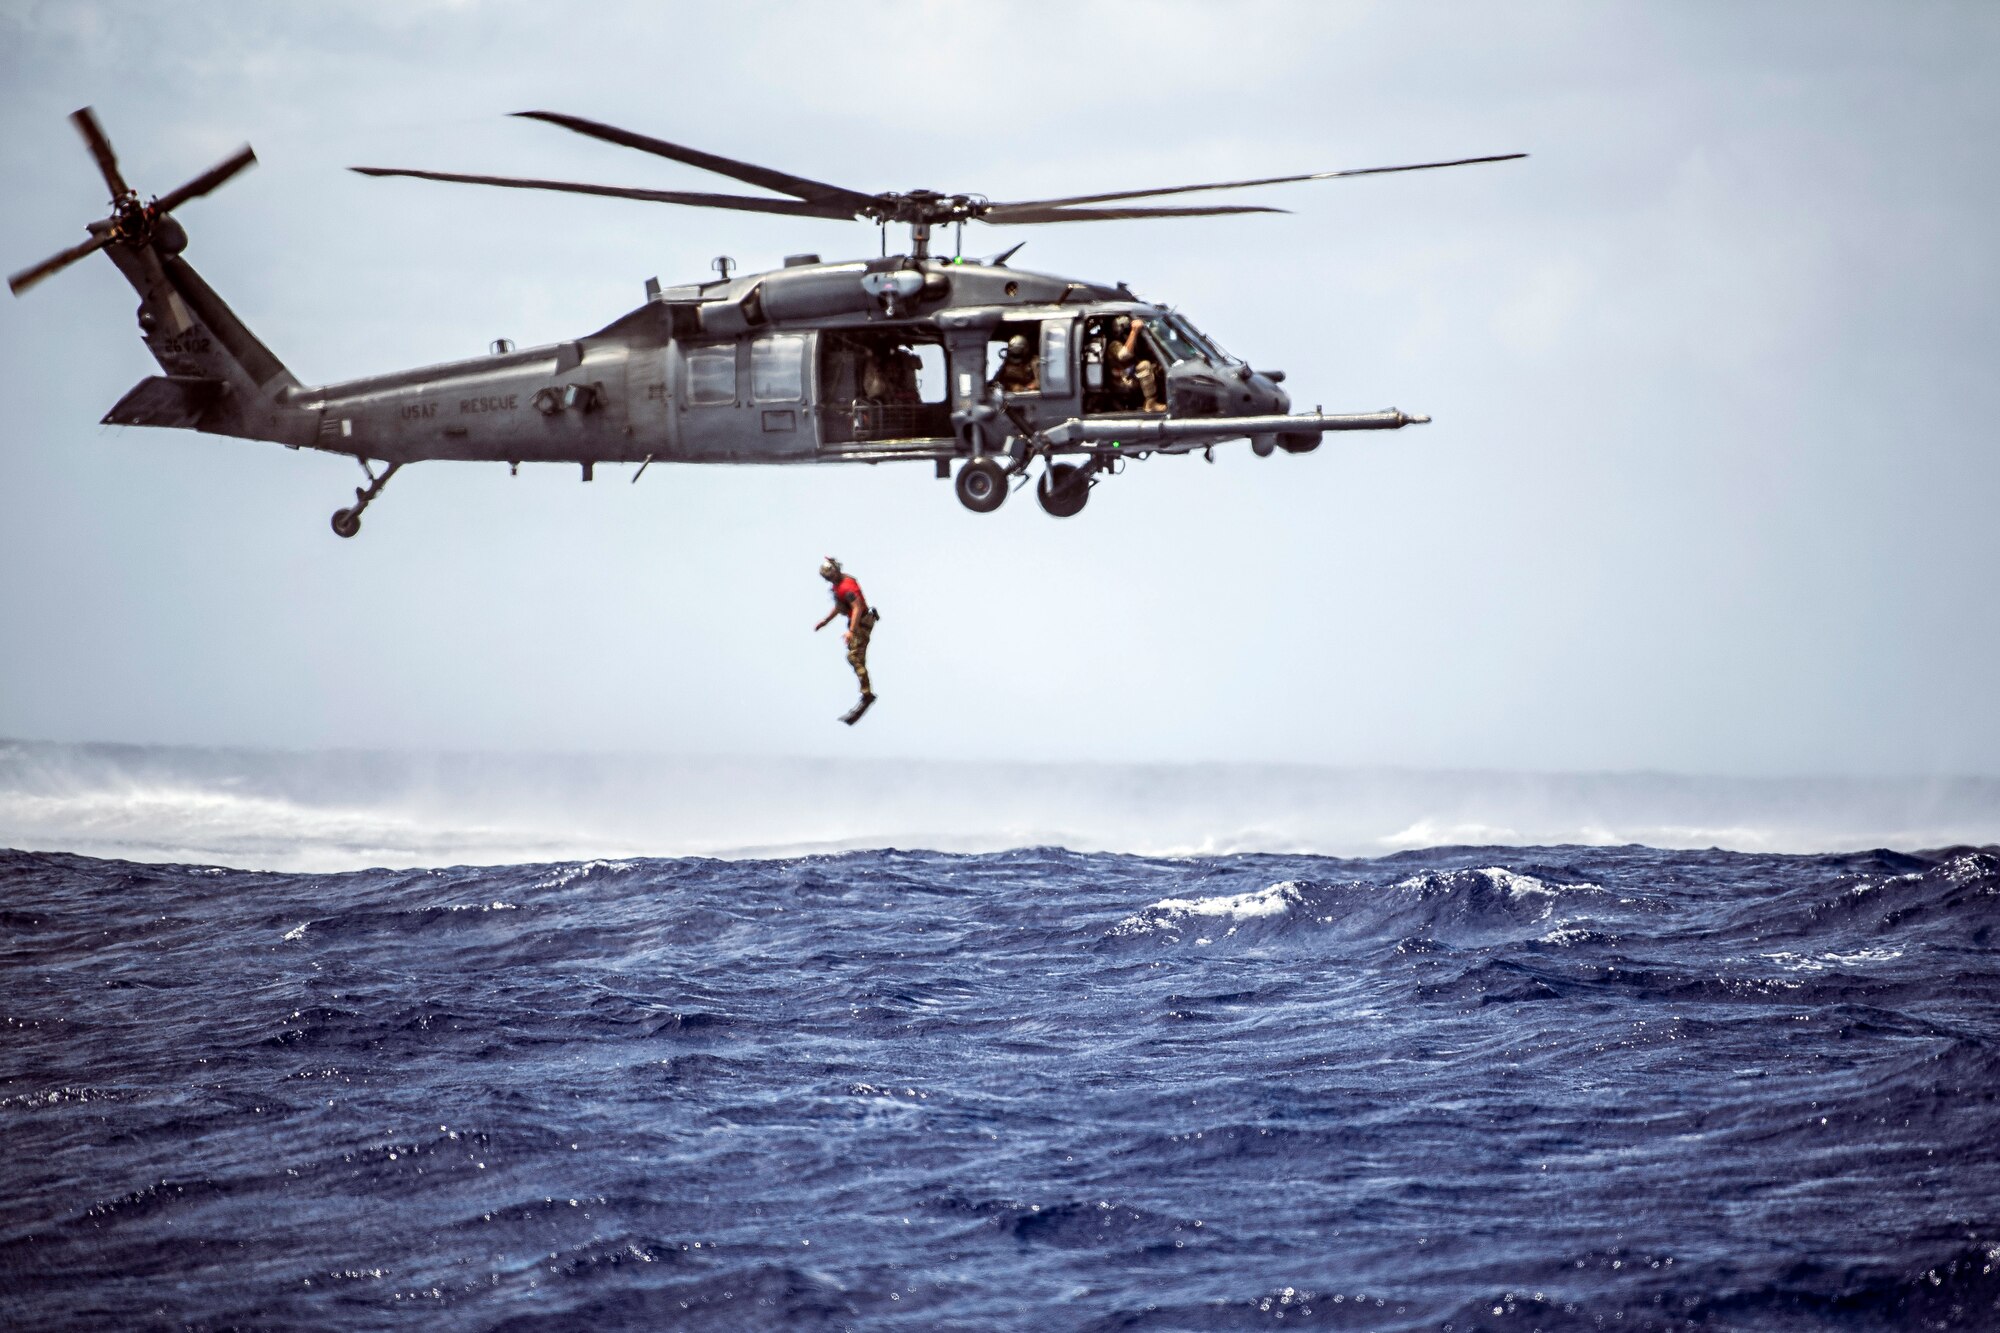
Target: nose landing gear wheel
1061,491
982,485
346,522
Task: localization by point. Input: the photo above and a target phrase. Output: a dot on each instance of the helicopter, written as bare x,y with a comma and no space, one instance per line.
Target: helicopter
974,366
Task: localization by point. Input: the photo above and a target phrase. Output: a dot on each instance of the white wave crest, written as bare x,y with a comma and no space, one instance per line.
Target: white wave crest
1798,962
1171,914
1969,866
570,874
1514,884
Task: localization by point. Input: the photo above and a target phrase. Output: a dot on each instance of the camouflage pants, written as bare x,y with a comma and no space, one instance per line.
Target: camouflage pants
1139,386
1147,376
857,649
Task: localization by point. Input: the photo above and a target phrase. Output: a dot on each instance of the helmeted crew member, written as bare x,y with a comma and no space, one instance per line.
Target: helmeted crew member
902,366
1133,375
876,386
848,601
889,374
1018,372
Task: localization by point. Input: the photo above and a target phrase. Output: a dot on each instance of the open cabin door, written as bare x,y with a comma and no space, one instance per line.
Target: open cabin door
880,389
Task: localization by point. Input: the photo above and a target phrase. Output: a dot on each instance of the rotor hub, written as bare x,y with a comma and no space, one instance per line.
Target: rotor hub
131,221
925,207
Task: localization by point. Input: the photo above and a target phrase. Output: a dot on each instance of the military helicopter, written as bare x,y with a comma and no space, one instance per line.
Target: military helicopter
976,367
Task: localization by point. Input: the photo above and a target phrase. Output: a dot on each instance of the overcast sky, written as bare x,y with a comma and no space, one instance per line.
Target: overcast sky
1711,485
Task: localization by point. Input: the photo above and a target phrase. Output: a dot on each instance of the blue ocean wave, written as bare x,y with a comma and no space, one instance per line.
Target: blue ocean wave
1464,1088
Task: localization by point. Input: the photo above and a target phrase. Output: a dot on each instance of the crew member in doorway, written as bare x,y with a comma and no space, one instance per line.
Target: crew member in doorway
1134,377
848,601
1018,372
903,369
877,381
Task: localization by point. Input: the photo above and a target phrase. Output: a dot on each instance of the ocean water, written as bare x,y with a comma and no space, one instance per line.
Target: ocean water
1497,1088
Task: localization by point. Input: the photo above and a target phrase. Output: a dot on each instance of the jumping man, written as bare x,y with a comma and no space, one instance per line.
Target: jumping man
861,617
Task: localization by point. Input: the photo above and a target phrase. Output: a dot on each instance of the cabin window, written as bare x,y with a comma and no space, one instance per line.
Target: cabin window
1210,348
1055,357
1179,346
778,368
711,374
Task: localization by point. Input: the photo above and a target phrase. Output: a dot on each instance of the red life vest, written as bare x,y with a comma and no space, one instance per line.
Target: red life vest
845,591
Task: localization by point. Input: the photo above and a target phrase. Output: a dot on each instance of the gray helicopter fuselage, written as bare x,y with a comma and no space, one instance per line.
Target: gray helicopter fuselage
744,371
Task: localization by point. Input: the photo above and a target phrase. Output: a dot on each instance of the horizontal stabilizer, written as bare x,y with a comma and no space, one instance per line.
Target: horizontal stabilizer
167,400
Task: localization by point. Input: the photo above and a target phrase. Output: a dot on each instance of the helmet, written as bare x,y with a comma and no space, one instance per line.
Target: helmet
1017,347
829,569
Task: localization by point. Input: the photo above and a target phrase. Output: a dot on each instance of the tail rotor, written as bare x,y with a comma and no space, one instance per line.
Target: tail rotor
132,223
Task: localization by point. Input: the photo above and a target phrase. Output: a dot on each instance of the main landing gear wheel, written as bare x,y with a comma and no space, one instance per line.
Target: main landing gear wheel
347,522
1062,490
982,485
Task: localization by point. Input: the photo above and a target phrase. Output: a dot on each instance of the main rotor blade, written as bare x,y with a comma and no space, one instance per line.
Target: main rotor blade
741,202
28,277
747,172
1268,180
1010,214
208,180
86,124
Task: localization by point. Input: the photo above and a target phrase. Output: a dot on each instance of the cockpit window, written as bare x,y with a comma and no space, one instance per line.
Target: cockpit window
1208,345
1173,341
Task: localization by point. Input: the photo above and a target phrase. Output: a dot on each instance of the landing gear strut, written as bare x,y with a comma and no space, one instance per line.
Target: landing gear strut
347,522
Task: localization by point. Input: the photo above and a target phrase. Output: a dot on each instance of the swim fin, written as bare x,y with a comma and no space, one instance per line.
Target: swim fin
853,715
